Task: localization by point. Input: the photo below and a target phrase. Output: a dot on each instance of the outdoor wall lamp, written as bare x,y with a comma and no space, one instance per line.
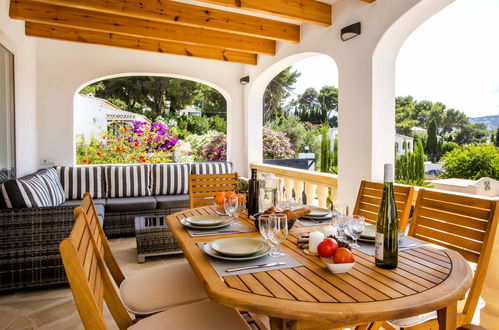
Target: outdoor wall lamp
244,80
350,31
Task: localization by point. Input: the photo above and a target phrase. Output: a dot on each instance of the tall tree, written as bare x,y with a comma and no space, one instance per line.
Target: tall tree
453,119
471,134
496,142
128,90
211,102
308,107
432,141
276,92
328,99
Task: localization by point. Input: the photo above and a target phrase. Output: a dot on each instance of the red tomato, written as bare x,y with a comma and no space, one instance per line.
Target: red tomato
327,247
343,256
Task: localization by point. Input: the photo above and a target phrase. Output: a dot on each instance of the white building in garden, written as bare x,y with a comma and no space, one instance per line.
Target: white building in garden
94,115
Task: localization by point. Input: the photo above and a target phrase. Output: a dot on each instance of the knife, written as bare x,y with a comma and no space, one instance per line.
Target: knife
213,232
272,264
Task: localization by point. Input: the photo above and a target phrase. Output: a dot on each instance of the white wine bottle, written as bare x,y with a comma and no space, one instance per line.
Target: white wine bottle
386,248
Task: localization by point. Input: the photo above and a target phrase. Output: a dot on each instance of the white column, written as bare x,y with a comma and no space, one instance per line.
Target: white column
366,122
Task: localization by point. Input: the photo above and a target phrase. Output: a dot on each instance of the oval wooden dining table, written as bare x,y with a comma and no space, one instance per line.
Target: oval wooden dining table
310,297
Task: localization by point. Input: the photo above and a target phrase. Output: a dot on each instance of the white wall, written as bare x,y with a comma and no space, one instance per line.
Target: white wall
64,67
24,49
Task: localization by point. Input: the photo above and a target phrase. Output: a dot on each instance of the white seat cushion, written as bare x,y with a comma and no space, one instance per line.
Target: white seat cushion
203,315
161,288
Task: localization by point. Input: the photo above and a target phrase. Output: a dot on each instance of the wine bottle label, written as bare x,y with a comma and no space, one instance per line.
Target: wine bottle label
378,247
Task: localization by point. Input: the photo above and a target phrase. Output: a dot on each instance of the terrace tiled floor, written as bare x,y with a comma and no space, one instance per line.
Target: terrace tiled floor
54,309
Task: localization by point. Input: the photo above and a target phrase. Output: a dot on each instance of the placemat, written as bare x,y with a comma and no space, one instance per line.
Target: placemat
221,265
404,244
310,223
220,231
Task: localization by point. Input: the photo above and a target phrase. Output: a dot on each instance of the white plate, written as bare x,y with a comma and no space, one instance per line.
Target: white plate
206,220
318,212
324,218
187,224
369,232
237,246
263,252
372,240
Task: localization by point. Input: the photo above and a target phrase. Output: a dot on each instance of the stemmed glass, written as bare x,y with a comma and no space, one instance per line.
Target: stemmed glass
264,226
230,204
356,225
278,231
340,219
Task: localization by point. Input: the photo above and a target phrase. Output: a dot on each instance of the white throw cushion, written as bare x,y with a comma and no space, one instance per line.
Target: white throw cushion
203,315
161,288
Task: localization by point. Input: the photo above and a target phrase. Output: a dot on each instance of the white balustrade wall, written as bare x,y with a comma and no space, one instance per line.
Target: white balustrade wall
318,187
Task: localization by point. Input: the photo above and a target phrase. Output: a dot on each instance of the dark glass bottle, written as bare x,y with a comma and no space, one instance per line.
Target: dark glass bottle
386,249
253,191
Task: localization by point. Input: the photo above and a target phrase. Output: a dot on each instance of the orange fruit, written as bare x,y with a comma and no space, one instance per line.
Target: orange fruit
229,193
220,193
241,197
219,199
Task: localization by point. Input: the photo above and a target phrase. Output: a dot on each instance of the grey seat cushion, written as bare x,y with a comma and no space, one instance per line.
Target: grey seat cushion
76,202
172,201
131,204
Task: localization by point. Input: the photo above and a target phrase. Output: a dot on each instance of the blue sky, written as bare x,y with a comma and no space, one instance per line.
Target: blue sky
452,58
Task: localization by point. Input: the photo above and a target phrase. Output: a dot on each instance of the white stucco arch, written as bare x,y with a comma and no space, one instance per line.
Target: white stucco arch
219,89
60,79
366,78
255,102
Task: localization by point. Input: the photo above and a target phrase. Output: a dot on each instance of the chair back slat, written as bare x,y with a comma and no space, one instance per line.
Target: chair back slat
88,279
369,201
466,224
87,208
203,187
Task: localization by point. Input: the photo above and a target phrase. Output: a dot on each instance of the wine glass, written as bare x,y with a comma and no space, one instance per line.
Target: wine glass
356,225
230,204
263,227
284,201
278,231
339,219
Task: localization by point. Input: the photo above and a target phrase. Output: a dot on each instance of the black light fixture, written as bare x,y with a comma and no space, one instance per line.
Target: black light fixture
350,31
244,80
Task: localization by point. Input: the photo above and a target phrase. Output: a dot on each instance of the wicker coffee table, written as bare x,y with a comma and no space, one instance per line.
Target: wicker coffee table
154,238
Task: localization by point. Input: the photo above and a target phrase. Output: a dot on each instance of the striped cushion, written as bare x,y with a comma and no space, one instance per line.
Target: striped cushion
78,180
30,191
51,180
170,179
127,181
211,168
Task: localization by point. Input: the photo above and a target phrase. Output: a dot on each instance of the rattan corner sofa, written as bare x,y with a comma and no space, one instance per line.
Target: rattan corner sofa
36,211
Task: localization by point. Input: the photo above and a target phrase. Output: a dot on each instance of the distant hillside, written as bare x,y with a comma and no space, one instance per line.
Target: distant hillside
491,121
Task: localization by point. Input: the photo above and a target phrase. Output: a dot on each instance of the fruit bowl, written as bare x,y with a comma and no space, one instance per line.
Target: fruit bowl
337,268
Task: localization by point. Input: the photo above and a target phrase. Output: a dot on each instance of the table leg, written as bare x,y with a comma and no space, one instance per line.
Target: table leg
447,317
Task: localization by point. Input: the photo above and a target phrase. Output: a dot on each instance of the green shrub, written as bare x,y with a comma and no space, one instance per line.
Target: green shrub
218,124
409,167
472,162
294,130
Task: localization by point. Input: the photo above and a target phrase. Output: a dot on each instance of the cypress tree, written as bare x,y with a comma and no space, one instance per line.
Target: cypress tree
432,141
496,142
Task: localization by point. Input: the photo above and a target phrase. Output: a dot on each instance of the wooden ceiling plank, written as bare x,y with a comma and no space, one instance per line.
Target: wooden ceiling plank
151,45
309,11
69,17
190,15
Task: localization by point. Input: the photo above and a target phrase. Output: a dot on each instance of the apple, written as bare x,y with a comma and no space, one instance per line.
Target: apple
343,256
327,247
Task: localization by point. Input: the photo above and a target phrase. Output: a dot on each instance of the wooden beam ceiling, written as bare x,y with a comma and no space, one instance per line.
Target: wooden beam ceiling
167,26
184,14
83,19
116,40
308,11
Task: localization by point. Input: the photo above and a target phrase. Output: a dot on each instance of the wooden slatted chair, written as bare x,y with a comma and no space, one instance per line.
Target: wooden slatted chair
369,201
91,285
203,187
463,223
146,292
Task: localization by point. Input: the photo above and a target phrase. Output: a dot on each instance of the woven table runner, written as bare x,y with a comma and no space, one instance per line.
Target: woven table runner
404,244
221,265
